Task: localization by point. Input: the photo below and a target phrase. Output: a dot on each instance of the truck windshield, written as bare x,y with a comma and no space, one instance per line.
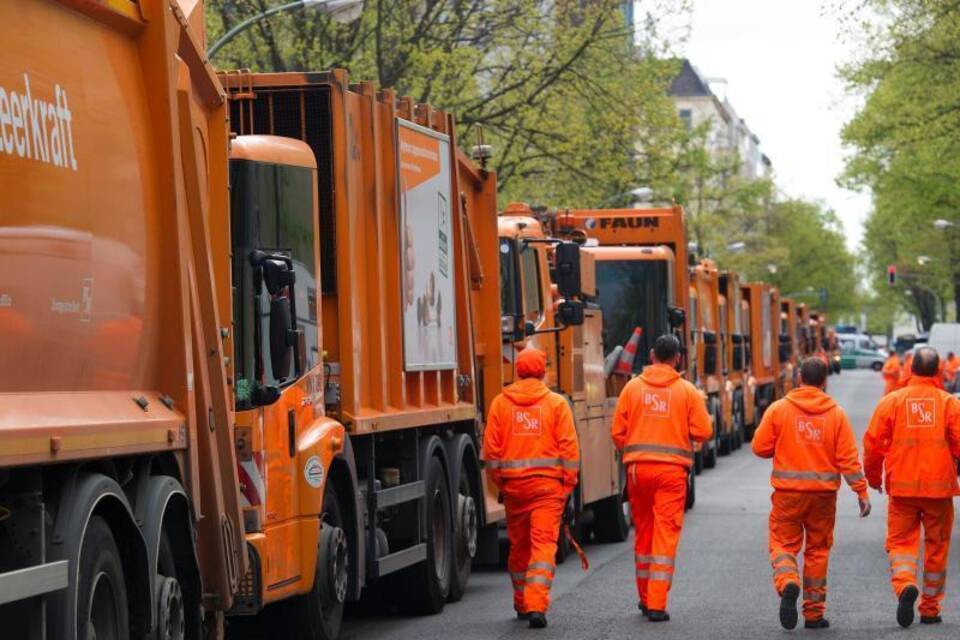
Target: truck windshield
272,211
634,293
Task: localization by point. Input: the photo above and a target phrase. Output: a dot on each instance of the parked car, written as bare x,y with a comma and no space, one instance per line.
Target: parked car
860,351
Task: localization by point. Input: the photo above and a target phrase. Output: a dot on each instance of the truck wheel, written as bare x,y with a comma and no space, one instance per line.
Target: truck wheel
691,490
318,614
876,366
698,461
429,583
465,528
737,434
611,520
102,609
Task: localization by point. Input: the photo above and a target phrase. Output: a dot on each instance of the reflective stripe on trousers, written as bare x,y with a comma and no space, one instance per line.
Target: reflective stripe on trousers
526,463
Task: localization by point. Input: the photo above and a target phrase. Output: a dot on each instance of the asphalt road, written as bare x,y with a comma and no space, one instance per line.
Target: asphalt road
723,586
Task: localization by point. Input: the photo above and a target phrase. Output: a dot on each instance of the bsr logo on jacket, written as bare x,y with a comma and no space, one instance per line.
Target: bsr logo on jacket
810,429
527,421
656,402
921,412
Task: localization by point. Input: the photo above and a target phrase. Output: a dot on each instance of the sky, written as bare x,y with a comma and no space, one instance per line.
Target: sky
779,60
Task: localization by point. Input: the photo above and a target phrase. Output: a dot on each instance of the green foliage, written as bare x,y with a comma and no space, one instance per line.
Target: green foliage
560,89
905,151
575,105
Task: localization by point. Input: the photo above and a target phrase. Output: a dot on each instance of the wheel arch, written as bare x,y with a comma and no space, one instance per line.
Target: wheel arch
343,475
84,496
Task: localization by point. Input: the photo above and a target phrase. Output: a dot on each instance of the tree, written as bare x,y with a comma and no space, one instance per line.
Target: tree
562,89
904,146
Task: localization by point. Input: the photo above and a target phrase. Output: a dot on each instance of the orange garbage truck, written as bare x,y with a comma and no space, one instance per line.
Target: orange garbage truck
735,355
789,345
643,284
244,373
711,362
764,366
539,278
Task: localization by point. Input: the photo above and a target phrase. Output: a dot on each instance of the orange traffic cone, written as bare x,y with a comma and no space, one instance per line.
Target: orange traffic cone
625,366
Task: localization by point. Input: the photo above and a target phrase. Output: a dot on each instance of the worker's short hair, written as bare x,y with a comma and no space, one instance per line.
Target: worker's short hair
813,371
949,354
926,362
666,347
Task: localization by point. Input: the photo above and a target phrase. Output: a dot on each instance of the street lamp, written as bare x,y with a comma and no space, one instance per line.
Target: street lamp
342,11
942,224
639,194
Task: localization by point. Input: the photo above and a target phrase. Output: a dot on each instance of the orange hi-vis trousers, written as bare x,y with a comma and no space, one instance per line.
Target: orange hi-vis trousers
658,492
904,517
795,515
534,508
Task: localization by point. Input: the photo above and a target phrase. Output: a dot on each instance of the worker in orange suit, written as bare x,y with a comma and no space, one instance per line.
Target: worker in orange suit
950,368
531,452
891,372
812,445
913,440
658,418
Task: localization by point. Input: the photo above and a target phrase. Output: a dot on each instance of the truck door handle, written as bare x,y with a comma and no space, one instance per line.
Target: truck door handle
292,432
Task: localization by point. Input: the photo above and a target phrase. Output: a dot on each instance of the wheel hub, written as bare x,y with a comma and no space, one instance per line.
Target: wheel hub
468,523
334,559
171,621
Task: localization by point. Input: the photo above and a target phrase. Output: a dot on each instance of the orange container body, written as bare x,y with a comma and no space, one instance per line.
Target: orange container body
789,345
355,132
708,339
734,347
764,321
113,160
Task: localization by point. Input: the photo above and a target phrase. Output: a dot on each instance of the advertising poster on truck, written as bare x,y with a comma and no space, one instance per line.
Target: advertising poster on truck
424,173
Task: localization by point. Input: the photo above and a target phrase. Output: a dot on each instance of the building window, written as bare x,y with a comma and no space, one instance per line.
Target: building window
687,116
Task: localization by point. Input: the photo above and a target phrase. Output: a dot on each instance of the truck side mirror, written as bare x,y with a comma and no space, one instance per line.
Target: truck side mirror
529,329
567,269
277,274
512,328
676,317
570,313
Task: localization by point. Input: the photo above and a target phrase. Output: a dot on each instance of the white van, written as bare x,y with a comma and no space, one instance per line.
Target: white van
945,337
859,351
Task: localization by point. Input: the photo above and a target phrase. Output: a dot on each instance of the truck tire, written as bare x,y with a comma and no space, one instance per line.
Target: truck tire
698,461
466,523
691,490
102,608
171,608
876,366
611,520
424,587
318,614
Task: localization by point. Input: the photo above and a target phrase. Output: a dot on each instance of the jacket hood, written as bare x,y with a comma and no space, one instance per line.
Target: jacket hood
526,391
659,375
811,399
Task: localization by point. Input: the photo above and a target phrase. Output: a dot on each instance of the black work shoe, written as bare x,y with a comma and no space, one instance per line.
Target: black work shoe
905,606
788,605
819,623
657,616
930,619
537,620
643,609
522,615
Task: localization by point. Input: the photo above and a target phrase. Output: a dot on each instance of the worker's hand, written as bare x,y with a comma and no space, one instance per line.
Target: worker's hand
499,497
878,488
864,507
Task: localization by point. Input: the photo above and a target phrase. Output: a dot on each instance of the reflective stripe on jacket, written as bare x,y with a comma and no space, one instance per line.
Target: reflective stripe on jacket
811,442
915,434
530,432
659,415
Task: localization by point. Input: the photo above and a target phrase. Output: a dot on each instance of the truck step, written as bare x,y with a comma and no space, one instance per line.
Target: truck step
401,559
401,493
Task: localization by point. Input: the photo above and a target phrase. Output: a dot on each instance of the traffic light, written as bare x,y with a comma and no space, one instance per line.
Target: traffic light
891,274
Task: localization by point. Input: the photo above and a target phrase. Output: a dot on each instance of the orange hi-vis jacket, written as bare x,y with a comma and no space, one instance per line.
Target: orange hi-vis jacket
530,432
811,442
915,434
658,417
